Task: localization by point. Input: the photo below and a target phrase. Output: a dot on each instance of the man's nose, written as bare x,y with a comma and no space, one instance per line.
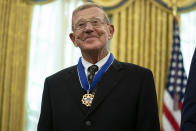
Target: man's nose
89,27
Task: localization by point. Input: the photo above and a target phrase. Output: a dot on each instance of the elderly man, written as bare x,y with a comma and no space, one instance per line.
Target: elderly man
99,93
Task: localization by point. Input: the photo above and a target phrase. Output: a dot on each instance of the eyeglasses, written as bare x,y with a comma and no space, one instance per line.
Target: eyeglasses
95,22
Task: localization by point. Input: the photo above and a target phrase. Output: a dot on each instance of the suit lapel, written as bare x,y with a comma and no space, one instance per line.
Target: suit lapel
108,81
75,89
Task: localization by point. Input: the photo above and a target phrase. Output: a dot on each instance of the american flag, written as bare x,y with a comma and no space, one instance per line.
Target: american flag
176,85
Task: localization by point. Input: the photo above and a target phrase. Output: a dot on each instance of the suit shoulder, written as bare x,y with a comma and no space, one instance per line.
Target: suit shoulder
131,66
134,67
63,73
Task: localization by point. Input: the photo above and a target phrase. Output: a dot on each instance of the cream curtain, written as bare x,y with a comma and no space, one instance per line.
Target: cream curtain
188,37
143,36
14,43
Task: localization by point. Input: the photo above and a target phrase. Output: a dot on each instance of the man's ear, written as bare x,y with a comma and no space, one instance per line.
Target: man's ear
72,37
111,31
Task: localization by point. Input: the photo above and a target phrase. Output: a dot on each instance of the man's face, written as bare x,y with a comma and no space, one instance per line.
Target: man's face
90,30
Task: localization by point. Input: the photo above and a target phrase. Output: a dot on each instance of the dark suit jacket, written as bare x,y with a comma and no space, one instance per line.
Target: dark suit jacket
188,122
125,100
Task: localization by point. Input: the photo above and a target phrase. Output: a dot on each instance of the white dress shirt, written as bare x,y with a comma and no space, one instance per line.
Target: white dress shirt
100,63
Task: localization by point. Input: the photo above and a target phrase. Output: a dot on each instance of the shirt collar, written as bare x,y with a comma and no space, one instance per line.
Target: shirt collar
100,63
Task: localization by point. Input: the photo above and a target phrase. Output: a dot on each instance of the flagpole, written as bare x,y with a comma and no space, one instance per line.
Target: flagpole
175,95
174,7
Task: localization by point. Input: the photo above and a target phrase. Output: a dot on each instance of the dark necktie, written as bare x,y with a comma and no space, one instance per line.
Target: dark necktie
91,72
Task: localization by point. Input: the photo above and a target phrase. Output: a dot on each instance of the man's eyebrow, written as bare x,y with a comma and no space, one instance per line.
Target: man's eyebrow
82,19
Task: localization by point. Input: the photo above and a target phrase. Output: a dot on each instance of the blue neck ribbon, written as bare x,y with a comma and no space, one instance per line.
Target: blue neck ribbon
83,78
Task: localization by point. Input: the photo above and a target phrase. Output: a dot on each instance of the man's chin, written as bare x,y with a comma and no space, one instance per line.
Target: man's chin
93,46
92,49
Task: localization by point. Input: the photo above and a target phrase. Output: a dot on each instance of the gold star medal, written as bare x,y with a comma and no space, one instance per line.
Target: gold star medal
87,99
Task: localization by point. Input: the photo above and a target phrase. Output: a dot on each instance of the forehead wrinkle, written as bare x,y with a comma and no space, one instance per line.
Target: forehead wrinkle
96,11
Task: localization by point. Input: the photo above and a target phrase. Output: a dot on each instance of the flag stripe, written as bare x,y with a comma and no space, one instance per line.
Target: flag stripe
171,118
166,122
180,105
168,102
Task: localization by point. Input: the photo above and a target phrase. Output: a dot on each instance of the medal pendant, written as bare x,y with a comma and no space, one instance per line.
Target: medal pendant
87,99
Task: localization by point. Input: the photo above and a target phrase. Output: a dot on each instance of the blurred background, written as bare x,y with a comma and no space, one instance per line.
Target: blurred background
34,43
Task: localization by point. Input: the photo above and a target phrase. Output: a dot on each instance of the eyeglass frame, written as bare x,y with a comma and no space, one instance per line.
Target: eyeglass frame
90,21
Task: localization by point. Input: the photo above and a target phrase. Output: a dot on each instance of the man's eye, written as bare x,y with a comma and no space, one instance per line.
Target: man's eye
95,21
81,24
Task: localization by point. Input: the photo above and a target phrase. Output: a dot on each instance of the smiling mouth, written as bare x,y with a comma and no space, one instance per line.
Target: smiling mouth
91,38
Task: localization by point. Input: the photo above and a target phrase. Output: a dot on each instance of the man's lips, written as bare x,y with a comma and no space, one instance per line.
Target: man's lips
90,37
